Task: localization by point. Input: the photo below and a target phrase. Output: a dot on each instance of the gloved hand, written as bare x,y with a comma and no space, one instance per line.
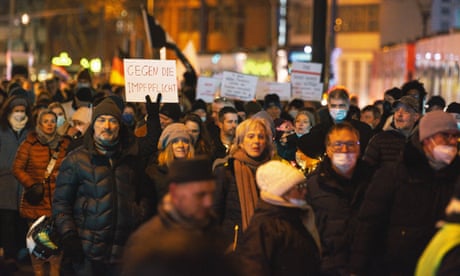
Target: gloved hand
153,109
34,194
73,250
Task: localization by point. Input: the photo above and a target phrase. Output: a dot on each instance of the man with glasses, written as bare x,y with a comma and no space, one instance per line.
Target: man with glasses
406,199
335,192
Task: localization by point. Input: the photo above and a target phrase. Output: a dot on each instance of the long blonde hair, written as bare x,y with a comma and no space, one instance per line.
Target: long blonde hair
166,156
250,124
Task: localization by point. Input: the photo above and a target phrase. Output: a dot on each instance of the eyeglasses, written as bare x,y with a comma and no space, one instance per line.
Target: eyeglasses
337,146
447,137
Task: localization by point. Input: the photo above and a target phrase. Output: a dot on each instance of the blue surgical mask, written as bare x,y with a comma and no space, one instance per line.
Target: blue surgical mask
128,118
60,121
338,114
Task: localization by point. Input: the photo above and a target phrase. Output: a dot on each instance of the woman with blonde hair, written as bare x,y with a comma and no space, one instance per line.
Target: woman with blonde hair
236,190
175,143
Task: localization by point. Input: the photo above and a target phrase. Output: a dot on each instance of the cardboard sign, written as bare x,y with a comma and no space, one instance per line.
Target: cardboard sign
206,88
282,89
305,79
238,86
150,77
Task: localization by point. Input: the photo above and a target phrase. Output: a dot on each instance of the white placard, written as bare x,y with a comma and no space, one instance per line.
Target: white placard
282,89
308,92
150,77
206,88
238,86
309,70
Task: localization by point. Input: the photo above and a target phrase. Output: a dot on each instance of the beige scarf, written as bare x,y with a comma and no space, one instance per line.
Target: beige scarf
245,167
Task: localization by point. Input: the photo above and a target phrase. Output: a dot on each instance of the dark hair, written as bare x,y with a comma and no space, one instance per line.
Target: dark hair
394,92
297,103
339,92
414,84
225,110
203,145
372,108
340,127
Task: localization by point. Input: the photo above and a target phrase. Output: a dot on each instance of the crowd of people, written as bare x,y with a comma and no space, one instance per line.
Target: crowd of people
230,187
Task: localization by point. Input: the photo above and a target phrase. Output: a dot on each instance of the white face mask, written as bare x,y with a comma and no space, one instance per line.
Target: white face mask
338,114
18,116
298,202
203,119
293,113
60,121
444,153
344,162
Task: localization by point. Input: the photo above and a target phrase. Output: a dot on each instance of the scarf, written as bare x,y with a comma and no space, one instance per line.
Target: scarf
106,148
51,140
244,168
17,125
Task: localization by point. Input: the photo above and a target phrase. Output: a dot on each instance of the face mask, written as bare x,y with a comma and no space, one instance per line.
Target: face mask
458,125
18,116
444,153
344,162
203,119
127,118
298,202
293,113
60,121
338,114
83,84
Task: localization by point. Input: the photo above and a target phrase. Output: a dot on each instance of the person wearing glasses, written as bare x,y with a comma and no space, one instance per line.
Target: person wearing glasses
335,192
405,200
281,238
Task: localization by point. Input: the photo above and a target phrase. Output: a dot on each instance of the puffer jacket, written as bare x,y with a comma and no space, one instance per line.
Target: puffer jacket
102,199
10,188
398,216
29,168
336,201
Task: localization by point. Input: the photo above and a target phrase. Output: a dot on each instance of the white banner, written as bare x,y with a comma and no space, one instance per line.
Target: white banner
238,86
282,89
206,88
150,77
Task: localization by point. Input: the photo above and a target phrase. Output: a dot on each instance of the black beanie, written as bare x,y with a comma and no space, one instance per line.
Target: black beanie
172,110
188,170
107,107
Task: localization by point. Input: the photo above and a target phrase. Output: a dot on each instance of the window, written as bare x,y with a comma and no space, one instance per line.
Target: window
357,18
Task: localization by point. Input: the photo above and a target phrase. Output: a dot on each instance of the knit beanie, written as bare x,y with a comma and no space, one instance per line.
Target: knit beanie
276,177
107,107
436,121
171,132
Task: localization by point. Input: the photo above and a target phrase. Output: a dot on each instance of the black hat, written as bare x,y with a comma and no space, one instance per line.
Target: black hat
107,107
312,145
436,101
188,170
453,107
172,110
272,100
199,104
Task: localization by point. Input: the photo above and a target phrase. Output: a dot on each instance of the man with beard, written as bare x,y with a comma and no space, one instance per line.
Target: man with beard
228,121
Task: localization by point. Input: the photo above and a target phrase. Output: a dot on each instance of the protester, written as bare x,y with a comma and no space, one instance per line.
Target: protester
435,103
36,166
371,116
170,113
175,143
228,121
281,238
335,192
63,126
405,200
197,129
101,193
15,124
236,192
185,210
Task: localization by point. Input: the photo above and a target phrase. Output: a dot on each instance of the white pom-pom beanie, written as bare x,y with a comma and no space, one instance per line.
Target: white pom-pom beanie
276,177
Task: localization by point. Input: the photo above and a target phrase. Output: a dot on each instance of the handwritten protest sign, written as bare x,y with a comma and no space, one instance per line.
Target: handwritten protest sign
305,79
150,77
282,89
206,88
238,86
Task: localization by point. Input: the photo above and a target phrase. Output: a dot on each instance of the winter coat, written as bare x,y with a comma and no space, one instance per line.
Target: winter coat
336,201
102,199
277,243
398,216
29,168
385,147
10,188
158,176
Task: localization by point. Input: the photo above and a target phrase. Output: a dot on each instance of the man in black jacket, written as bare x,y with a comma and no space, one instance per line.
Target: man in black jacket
405,200
100,196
